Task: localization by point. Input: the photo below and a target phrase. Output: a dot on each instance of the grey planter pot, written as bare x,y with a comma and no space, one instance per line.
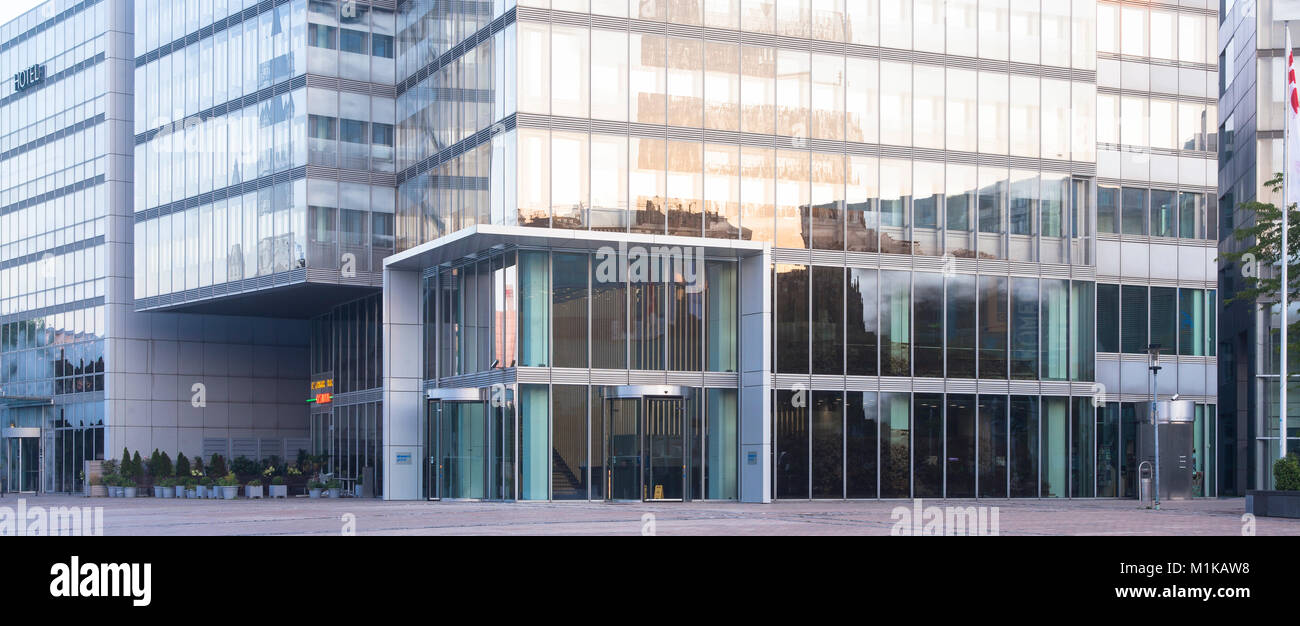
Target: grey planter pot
192,493
157,491
314,494
180,491
200,492
229,493
1267,503
334,493
356,491
278,491
130,492
115,492
252,492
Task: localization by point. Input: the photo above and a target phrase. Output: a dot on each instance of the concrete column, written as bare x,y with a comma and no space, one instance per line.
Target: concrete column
755,377
403,373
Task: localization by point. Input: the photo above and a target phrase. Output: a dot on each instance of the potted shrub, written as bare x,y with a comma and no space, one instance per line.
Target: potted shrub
107,468
217,466
191,488
314,488
229,486
183,477
253,489
179,485
137,471
208,486
124,468
278,488
97,488
334,487
1284,499
129,488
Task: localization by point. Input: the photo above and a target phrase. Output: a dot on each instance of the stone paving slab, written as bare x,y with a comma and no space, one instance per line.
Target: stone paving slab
301,516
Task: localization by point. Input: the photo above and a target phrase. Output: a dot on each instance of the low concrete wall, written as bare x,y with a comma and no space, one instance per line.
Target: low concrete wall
1263,503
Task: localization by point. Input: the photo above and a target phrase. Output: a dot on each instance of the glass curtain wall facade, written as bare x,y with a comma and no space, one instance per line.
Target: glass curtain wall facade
952,218
523,314
264,146
347,360
56,200
1158,227
970,215
1251,92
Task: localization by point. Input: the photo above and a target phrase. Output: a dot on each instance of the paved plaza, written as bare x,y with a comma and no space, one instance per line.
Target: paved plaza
301,516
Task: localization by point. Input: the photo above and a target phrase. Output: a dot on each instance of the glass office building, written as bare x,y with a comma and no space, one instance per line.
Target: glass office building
264,188
633,249
1251,92
188,184
936,237
60,179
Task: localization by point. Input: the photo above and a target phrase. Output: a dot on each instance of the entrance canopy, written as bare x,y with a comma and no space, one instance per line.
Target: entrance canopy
474,240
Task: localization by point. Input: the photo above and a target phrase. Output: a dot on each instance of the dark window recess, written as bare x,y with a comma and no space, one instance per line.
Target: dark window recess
352,40
1133,319
381,134
352,131
321,36
381,46
1107,318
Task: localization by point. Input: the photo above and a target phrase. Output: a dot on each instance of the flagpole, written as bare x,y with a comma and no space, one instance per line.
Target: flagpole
1286,211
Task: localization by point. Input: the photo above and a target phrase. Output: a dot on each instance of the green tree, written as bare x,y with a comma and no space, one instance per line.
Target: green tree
182,466
164,467
1264,251
217,466
126,467
137,467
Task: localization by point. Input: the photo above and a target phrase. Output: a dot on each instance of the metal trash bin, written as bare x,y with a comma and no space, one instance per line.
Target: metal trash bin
1145,482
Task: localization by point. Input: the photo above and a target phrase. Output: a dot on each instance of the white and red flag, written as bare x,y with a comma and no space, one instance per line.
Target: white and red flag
1292,127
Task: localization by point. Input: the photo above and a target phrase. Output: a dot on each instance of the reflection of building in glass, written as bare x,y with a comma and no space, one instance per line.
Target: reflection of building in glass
913,242
934,243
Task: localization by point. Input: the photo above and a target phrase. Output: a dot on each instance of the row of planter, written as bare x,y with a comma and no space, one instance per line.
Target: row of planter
214,492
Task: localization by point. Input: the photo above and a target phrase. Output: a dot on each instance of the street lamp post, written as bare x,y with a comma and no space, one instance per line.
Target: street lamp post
1153,351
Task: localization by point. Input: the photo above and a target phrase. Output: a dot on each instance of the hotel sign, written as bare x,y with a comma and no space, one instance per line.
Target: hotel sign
322,390
29,78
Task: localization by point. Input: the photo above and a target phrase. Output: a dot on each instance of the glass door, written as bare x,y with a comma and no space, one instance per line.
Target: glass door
22,464
456,439
431,450
622,449
665,449
462,449
645,455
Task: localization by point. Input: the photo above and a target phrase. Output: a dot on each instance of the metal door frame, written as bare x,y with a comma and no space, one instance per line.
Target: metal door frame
643,393
435,399
14,461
